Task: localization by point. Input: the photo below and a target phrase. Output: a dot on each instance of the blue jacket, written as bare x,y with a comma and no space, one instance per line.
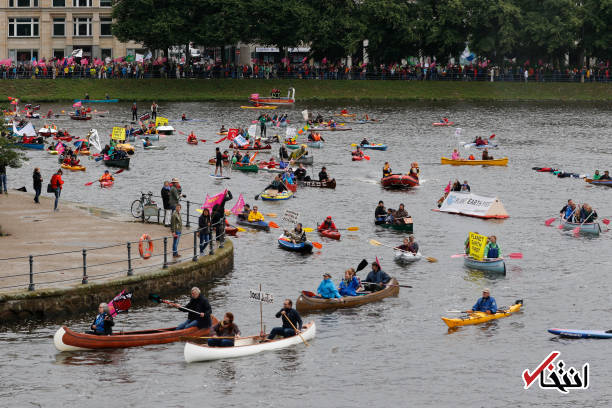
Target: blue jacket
350,288
378,277
328,290
103,326
482,305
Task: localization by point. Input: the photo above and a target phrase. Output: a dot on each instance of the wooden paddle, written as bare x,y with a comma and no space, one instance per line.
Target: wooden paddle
376,243
296,330
158,299
117,172
386,284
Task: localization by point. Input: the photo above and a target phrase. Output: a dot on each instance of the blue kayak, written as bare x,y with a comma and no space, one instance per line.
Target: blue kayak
258,225
303,247
97,100
37,146
374,146
581,334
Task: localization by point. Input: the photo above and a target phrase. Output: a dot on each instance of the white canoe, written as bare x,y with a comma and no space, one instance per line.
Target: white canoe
407,257
245,346
154,147
165,130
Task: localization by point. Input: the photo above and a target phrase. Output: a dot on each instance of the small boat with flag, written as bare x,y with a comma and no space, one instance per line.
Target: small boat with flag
274,99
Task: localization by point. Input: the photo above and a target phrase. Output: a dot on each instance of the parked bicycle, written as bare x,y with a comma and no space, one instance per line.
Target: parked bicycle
138,206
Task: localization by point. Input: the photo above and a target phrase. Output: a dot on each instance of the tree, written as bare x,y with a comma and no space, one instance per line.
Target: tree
217,23
595,32
10,155
281,22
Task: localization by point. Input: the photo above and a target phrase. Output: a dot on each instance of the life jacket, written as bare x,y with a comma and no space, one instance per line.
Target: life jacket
316,137
471,157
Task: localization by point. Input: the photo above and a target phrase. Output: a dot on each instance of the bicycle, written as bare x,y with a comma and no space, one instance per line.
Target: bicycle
137,206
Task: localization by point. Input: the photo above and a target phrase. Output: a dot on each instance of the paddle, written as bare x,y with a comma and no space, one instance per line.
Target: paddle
606,222
272,224
376,243
117,172
158,299
271,215
386,284
295,328
549,221
308,229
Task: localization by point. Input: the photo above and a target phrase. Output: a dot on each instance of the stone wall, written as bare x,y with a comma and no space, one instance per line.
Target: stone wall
51,303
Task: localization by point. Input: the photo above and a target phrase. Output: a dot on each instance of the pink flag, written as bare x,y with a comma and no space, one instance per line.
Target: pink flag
84,61
237,209
77,105
59,148
120,303
210,202
447,188
305,59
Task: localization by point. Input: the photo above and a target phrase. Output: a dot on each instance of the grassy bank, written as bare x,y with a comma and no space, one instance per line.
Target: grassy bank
306,90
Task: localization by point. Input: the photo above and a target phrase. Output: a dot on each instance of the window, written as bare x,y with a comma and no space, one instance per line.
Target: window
106,3
105,25
82,27
59,27
23,3
23,27
59,3
23,56
106,53
81,3
58,53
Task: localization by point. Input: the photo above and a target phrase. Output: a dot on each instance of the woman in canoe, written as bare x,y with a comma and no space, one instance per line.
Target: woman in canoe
409,245
222,330
492,249
103,323
327,289
350,285
587,214
455,155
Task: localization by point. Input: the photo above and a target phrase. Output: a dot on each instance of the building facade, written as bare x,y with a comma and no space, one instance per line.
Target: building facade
54,28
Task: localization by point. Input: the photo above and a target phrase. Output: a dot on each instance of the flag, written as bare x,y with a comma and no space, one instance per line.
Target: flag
77,104
237,209
378,262
146,116
231,134
148,56
78,53
252,130
59,148
447,189
130,58
210,202
120,303
139,57
84,61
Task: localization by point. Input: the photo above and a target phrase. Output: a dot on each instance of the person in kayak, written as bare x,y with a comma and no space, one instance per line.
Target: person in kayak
300,173
184,117
288,314
103,323
301,152
146,142
298,235
225,328
568,210
587,214
323,177
377,278
328,224
465,186
350,285
596,175
492,250
358,152
244,215
223,129
327,289
192,138
409,245
255,215
201,311
106,176
364,142
486,155
485,304
283,154
380,213
386,172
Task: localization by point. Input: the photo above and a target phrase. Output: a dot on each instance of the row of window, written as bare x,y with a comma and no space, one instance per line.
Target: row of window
60,3
81,27
21,56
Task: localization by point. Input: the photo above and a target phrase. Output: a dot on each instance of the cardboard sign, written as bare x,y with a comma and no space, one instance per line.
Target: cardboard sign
477,245
118,133
260,296
159,121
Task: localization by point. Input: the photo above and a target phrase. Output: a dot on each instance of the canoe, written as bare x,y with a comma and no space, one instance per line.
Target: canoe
273,196
154,147
73,168
320,184
192,142
229,230
68,340
346,115
581,334
317,145
83,152
399,181
106,183
121,163
222,133
331,234
330,129
251,148
407,228
591,228
165,130
35,146
291,146
599,182
443,123
74,117
258,225
480,317
494,162
304,160
245,346
97,100
307,303
246,167
375,146
488,265
490,146
406,257
259,107
303,247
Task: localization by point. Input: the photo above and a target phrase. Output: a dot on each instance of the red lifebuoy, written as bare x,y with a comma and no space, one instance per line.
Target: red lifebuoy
145,254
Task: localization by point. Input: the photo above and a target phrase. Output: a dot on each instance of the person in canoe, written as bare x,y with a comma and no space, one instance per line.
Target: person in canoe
386,172
255,215
298,235
204,229
456,155
358,152
246,159
106,176
377,278
277,184
327,289
323,177
201,311
315,137
596,175
401,216
479,141
146,142
103,323
288,314
409,245
389,218
465,186
485,304
587,214
222,330
192,138
492,249
300,173
183,117
350,285
606,175
364,142
456,185
328,224
568,210
380,213
486,155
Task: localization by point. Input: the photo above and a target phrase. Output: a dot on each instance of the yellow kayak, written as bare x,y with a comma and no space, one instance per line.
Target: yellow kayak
73,168
466,162
259,107
481,317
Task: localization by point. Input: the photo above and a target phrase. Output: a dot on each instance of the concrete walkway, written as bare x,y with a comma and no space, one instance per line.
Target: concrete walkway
35,229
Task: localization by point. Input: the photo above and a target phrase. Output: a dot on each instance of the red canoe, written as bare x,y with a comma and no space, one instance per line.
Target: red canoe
357,158
331,234
229,230
443,123
399,181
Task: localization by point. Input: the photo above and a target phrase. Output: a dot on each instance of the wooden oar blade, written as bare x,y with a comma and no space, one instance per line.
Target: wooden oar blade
272,224
431,259
375,243
317,245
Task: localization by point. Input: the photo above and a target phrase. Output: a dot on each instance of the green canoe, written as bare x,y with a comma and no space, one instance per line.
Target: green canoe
247,168
407,228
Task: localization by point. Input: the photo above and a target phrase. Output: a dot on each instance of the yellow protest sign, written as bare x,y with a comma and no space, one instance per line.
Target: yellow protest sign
118,133
159,121
477,245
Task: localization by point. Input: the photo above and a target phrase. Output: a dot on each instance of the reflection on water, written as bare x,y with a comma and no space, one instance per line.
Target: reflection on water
85,358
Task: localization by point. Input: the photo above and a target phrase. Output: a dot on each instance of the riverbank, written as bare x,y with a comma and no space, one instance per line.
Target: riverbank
229,90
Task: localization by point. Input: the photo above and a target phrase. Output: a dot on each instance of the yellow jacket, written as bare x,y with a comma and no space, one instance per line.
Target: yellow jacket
255,216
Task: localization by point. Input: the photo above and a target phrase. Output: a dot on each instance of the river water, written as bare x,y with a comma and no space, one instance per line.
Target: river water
395,352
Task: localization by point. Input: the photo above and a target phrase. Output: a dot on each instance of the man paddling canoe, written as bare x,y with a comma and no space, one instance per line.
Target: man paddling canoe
485,304
291,318
376,278
199,304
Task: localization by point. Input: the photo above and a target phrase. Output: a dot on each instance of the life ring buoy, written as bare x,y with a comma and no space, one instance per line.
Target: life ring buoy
145,254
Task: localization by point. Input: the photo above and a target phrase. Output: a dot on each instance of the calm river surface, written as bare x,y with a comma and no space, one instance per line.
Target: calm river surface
395,352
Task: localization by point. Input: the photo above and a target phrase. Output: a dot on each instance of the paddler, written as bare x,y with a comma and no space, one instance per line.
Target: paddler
183,117
300,173
387,170
401,216
246,159
323,177
358,152
255,215
287,313
587,214
147,142
282,153
106,176
596,175
192,137
456,155
222,330
201,311
364,142
409,245
492,250
377,278
277,184
606,175
103,323
485,304
327,289
218,161
328,224
380,213
568,210
298,235
486,155
350,285
223,129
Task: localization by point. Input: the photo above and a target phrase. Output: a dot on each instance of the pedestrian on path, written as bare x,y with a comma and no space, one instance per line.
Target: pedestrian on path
3,178
176,226
37,184
57,185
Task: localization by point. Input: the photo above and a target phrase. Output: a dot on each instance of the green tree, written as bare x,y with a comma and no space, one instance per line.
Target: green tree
218,23
11,155
595,31
280,22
